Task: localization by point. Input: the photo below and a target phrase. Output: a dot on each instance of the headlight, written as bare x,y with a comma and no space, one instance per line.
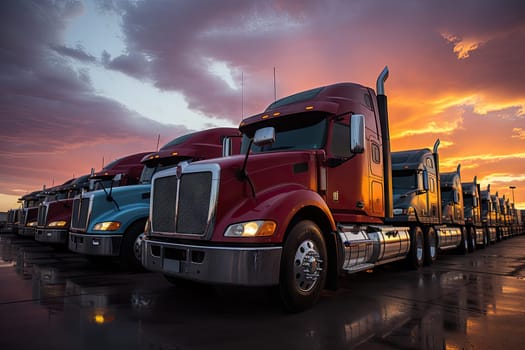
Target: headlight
404,211
258,228
57,224
31,224
107,226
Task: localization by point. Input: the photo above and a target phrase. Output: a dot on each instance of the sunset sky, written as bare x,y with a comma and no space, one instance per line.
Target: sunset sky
82,81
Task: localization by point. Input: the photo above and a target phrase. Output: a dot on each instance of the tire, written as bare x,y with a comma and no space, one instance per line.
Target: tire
129,256
416,256
463,244
471,236
303,267
431,246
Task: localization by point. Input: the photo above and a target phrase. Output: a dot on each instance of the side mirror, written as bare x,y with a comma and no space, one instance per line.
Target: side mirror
264,136
456,197
357,133
425,180
226,147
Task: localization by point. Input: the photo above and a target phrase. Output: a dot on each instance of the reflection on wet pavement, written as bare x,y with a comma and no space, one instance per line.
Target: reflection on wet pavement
61,300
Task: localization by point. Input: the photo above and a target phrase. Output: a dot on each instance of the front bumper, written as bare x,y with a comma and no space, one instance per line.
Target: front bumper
221,265
51,236
27,232
107,245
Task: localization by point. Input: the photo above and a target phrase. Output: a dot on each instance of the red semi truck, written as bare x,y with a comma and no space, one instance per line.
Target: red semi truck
310,199
306,202
54,214
28,213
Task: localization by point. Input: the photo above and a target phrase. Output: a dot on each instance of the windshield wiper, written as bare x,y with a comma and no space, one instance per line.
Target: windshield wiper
407,193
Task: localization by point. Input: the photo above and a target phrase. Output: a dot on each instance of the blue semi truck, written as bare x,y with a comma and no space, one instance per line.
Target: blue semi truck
108,222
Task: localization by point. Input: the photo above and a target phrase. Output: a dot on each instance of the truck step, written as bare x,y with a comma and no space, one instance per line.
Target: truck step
358,268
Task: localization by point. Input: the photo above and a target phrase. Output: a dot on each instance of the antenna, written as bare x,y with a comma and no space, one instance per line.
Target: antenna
158,139
102,162
274,86
242,96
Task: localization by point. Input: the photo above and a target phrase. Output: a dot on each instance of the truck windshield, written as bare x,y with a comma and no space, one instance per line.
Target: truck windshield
404,182
468,201
447,195
303,135
149,171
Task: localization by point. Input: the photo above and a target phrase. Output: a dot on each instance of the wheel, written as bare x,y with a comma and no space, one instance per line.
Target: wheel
431,246
303,267
416,255
130,254
486,237
471,236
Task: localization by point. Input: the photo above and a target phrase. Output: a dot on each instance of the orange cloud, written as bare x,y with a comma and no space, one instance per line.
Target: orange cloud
518,133
463,46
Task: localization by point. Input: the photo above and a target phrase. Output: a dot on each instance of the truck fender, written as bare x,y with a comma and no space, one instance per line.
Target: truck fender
127,216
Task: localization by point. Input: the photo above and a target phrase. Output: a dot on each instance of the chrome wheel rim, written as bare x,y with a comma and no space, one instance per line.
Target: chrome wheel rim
432,245
307,266
419,247
137,247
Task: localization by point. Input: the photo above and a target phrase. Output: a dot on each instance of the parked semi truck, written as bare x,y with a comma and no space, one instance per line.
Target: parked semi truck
12,221
110,225
28,212
489,215
429,202
310,199
472,213
54,213
307,201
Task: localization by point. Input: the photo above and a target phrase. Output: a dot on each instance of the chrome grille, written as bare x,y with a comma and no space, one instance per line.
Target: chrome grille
194,203
164,204
23,216
42,214
80,213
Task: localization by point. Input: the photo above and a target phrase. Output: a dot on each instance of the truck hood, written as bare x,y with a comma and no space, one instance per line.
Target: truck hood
404,200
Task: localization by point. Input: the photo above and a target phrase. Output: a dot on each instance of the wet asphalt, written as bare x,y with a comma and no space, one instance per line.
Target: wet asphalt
54,299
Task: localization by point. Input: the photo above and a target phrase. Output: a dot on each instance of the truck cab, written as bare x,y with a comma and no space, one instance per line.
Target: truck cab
488,215
416,197
452,211
304,203
54,213
27,214
113,223
472,214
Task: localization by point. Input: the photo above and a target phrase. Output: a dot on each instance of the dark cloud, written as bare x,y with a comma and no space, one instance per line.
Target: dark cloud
77,53
173,44
53,122
134,64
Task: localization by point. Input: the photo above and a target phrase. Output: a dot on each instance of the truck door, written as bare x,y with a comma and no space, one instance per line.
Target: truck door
354,182
432,195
